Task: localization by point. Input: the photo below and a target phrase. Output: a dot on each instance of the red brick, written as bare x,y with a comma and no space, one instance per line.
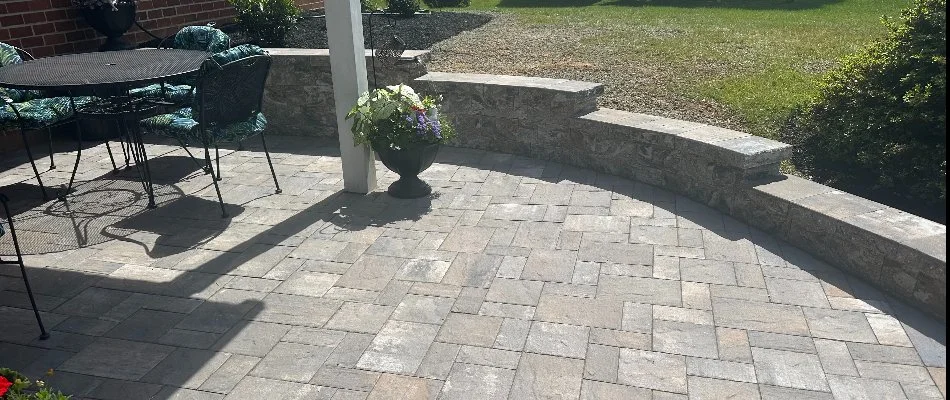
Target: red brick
34,18
31,42
21,31
66,26
18,7
42,29
11,20
56,38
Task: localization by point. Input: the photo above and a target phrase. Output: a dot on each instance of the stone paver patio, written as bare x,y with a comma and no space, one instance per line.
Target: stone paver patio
518,279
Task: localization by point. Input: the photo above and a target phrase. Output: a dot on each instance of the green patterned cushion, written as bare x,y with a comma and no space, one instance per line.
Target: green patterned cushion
237,53
178,94
181,125
36,114
9,56
204,38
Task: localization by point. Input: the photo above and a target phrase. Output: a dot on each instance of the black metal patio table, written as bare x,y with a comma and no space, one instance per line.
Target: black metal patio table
108,76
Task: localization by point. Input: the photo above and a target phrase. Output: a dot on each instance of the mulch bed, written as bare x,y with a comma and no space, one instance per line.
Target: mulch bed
418,32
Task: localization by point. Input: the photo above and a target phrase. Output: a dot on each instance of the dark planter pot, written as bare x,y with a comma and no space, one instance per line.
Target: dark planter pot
112,24
408,163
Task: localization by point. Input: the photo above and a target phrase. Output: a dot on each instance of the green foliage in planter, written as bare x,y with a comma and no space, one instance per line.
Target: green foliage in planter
16,386
447,3
403,7
396,117
878,126
266,22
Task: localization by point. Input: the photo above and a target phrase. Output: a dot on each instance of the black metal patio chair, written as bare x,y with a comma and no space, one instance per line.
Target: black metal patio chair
181,92
29,110
19,261
227,110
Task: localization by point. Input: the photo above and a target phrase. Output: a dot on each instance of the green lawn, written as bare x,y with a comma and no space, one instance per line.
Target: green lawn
756,58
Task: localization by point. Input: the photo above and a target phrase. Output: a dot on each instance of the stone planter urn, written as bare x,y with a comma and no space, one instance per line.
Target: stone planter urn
408,163
112,23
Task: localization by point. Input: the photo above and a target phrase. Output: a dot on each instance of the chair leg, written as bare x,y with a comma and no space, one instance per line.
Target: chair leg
192,156
217,161
270,164
72,177
29,291
26,281
29,154
115,168
217,188
52,164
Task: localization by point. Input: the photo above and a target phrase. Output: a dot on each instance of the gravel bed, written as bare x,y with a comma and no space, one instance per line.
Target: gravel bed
509,47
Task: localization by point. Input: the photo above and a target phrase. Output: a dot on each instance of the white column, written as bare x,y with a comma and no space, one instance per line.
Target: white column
348,67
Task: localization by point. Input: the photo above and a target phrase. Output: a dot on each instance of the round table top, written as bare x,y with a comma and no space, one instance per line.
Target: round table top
102,69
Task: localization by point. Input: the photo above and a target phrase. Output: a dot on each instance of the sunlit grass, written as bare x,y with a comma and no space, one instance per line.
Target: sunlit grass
757,57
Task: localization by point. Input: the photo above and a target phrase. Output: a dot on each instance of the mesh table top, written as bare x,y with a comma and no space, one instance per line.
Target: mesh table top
103,69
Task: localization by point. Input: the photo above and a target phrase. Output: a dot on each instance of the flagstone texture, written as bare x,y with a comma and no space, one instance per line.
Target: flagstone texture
517,279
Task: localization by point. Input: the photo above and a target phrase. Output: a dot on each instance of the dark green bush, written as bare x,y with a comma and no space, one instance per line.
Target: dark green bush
403,7
878,126
266,22
447,3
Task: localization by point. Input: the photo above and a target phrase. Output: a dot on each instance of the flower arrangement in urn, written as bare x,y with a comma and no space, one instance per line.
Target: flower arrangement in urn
405,129
96,4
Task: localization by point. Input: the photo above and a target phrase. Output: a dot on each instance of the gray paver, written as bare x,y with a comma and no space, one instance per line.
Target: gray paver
598,313
708,388
789,369
468,381
846,387
839,325
542,376
759,316
424,309
557,339
398,347
550,265
653,370
593,390
684,338
292,362
119,359
475,330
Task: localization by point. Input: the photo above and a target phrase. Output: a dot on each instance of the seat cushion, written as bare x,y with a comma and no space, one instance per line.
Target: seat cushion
178,94
204,38
9,56
36,114
182,126
237,53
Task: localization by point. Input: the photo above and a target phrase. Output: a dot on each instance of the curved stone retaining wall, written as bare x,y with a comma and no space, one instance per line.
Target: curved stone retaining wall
298,97
738,173
733,171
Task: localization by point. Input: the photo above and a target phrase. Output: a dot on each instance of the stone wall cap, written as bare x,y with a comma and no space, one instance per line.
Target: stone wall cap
561,85
900,227
731,147
275,51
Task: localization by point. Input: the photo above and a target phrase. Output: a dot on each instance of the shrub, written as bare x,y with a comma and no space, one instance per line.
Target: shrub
406,8
878,126
447,3
266,22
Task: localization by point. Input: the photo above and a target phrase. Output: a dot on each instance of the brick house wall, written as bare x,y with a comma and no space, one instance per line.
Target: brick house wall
53,27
